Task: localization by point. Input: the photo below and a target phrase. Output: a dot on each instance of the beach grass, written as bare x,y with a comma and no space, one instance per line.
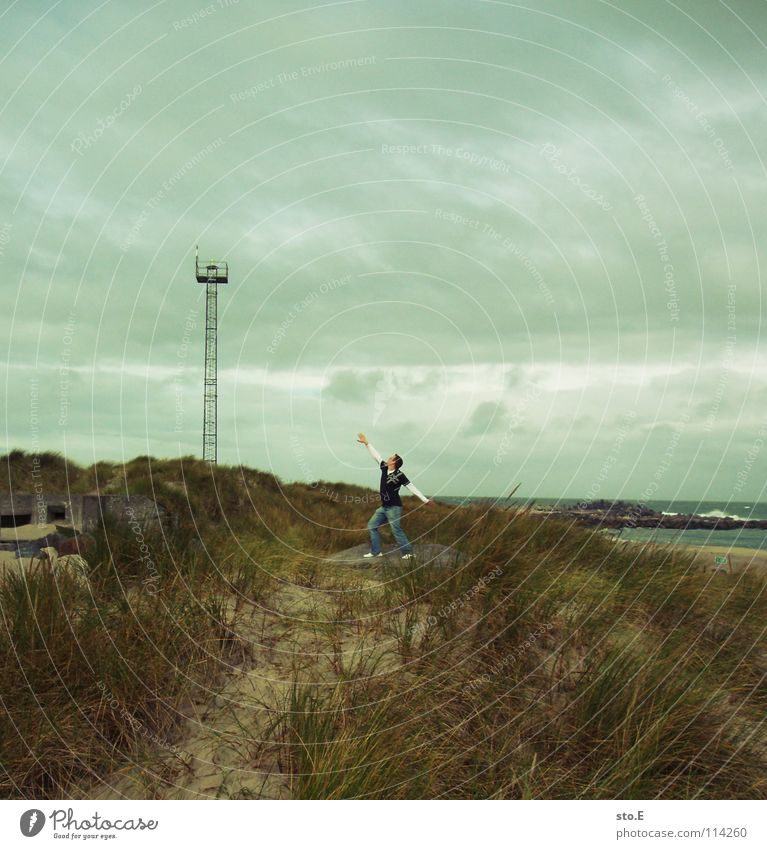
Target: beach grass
550,662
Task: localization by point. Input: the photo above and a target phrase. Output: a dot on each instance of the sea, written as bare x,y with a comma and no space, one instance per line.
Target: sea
738,538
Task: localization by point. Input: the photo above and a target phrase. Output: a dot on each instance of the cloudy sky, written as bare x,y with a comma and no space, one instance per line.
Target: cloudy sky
512,242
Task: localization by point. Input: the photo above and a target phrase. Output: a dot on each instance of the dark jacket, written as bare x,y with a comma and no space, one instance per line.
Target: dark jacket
390,484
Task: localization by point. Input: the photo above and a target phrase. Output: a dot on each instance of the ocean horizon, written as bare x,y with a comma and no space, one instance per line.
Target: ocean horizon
737,538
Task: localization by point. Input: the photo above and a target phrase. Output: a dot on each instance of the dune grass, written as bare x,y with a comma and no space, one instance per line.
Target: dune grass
87,680
550,663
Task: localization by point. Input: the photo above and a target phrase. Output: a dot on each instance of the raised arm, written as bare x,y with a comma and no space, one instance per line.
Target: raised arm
373,453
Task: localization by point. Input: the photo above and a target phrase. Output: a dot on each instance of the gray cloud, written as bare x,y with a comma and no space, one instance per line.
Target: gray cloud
352,387
486,418
568,199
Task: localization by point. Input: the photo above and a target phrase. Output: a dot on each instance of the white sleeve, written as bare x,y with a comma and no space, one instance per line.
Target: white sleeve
373,453
414,489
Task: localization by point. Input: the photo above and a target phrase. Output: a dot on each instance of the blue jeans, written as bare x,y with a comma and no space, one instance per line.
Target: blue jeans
391,515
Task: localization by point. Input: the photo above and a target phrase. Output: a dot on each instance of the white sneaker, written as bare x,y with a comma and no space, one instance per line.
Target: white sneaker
370,554
408,556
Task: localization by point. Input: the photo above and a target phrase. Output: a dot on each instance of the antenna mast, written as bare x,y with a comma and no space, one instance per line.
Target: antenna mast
211,274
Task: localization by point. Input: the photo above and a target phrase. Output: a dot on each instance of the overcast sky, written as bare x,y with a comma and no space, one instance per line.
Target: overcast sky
513,243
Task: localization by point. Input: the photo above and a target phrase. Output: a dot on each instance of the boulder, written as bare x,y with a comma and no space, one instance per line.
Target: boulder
70,564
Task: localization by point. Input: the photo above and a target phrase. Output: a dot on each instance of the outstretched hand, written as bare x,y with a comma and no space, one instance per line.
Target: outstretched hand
362,438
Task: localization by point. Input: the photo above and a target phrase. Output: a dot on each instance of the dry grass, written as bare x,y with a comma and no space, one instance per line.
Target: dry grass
581,670
551,663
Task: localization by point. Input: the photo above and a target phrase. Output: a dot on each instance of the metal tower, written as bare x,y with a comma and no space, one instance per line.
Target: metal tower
211,274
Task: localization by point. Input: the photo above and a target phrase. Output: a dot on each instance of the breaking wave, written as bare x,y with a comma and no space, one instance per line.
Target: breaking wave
718,514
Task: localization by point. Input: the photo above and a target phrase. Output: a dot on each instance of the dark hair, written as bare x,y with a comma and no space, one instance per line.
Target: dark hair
398,462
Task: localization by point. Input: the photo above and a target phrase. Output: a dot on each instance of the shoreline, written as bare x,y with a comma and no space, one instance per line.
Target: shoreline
739,559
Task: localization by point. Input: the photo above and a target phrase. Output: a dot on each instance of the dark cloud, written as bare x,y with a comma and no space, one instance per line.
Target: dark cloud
487,417
352,387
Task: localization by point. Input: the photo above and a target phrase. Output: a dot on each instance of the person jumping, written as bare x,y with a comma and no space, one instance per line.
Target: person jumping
392,478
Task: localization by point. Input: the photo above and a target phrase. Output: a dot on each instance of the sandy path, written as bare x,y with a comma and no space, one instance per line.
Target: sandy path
226,744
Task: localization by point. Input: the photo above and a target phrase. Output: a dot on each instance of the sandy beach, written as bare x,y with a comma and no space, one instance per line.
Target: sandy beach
716,557
753,560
